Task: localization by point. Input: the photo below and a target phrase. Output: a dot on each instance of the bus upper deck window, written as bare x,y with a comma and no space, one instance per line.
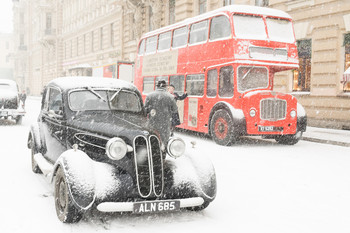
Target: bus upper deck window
164,41
199,32
142,47
151,44
280,30
220,28
180,37
249,27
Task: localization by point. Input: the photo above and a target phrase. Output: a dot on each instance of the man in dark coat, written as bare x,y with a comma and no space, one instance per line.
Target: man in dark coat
160,105
175,118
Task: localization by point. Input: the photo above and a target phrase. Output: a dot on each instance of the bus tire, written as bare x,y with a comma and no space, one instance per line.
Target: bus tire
221,128
289,139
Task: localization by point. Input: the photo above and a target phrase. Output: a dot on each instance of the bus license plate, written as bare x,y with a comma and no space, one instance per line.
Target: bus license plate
270,129
156,206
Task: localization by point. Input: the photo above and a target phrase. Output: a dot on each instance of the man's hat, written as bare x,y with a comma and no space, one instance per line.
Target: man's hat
171,85
161,83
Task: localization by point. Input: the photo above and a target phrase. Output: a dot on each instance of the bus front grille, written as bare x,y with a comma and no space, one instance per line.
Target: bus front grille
148,166
273,109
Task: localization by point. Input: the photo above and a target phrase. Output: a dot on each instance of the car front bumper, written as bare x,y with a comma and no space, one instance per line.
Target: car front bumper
12,112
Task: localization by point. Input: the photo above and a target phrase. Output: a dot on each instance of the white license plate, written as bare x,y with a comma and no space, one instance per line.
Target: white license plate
156,206
3,113
270,129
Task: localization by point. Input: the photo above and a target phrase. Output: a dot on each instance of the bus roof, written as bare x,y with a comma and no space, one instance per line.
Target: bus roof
245,9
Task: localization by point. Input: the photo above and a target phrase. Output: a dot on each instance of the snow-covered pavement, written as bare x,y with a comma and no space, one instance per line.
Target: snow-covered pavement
262,187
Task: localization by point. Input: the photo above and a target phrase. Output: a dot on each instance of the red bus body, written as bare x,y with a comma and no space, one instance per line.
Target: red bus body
259,43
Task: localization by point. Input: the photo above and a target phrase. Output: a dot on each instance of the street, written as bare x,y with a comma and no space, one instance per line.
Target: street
262,187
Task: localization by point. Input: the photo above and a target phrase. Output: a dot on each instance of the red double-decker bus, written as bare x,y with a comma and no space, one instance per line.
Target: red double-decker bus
226,60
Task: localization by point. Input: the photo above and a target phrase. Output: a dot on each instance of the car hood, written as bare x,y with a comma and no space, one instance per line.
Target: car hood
111,124
8,94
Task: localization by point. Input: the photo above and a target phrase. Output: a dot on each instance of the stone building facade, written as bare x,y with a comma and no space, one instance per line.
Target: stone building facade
72,37
6,55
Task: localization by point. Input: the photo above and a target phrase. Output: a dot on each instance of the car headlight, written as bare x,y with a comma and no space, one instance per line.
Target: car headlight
293,113
176,147
116,148
252,112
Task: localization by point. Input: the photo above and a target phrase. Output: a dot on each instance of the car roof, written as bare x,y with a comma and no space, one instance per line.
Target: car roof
74,82
8,81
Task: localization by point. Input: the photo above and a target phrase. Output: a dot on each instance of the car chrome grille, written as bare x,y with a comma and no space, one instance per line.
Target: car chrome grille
273,109
148,165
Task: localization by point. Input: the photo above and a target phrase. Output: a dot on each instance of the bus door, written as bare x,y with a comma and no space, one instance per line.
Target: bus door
179,83
195,104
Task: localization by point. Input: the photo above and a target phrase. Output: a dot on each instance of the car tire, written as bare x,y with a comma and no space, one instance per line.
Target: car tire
221,128
289,139
19,120
66,211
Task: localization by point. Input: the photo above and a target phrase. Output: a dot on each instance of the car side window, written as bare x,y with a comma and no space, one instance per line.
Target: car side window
55,101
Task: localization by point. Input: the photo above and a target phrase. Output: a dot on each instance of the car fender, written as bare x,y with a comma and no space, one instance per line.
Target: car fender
237,116
34,138
79,173
193,173
301,118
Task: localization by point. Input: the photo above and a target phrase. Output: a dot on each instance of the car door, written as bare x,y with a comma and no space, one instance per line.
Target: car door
53,124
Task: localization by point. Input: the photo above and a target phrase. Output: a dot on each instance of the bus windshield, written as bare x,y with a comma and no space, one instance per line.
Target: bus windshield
251,77
280,30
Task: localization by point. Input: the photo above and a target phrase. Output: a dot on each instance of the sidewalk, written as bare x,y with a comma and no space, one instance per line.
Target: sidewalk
329,136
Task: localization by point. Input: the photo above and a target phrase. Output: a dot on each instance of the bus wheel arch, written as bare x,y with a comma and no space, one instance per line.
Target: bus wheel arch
225,123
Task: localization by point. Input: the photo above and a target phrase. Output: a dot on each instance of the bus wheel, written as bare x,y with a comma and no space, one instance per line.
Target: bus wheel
289,139
221,128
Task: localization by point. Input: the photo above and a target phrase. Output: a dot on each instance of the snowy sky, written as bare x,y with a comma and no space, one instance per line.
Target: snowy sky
6,23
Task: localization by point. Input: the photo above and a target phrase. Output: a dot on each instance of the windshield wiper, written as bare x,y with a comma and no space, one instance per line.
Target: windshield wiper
96,94
247,72
114,95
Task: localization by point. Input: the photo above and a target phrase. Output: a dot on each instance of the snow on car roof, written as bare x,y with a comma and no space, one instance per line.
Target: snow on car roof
8,81
88,81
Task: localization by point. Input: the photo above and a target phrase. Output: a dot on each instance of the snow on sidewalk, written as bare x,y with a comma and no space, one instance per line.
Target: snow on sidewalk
326,135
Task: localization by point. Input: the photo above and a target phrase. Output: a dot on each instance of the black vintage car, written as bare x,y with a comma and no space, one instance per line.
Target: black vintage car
10,104
92,141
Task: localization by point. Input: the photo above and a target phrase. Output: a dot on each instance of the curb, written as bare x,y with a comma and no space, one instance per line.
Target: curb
310,139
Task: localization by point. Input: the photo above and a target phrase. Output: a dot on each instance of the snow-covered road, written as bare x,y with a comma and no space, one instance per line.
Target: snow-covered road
262,187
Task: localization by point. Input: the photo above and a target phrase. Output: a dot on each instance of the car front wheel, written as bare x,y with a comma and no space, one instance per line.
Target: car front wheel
65,209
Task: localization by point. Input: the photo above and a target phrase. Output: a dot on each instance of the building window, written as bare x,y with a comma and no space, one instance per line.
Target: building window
228,2
261,2
48,21
21,18
92,41
77,46
347,59
7,45
171,11
84,43
101,38
150,15
112,35
302,76
202,6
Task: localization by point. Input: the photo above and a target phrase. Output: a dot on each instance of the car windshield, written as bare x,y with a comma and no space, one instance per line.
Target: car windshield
251,77
102,100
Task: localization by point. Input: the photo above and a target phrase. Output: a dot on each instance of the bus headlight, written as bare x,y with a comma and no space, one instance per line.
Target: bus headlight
176,147
252,112
116,148
293,113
